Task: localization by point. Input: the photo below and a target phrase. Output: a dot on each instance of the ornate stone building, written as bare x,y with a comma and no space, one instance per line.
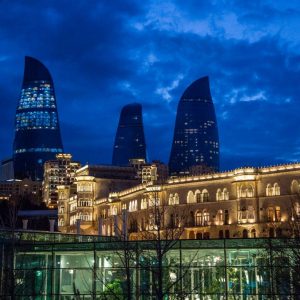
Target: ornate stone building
242,203
76,202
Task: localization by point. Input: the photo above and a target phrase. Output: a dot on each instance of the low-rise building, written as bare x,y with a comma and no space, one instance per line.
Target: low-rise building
245,202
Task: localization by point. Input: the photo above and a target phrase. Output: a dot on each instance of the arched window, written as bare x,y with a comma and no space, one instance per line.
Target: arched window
295,187
225,194
270,214
250,191
171,199
274,214
176,199
245,234
191,235
246,191
227,234
251,215
269,190
205,196
253,233
219,195
205,218
198,218
199,236
276,189
114,211
190,197
277,214
243,191
221,234
198,196
219,218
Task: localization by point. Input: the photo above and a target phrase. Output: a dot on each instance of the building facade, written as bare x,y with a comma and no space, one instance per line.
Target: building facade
37,132
196,140
243,203
130,138
76,202
60,171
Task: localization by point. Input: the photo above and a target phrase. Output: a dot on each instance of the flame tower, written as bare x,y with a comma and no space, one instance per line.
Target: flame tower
130,138
196,139
37,132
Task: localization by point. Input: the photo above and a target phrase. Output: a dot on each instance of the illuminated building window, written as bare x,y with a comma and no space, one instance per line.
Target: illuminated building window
190,197
133,205
54,150
219,195
36,120
251,215
219,217
276,189
205,196
198,218
206,217
274,214
114,210
225,194
176,199
85,217
171,199
246,191
295,187
198,196
269,190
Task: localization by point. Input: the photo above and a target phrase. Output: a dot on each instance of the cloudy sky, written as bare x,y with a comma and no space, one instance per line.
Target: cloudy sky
105,54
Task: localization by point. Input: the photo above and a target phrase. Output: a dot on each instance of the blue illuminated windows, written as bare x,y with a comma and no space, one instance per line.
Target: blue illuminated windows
38,95
36,120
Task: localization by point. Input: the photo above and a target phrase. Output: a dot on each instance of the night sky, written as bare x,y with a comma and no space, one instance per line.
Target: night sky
105,54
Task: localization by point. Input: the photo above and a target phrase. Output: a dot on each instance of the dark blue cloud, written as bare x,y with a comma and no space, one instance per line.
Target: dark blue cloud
105,54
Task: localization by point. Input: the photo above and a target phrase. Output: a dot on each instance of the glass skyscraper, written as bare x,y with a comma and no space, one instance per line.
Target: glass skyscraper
37,132
130,138
196,141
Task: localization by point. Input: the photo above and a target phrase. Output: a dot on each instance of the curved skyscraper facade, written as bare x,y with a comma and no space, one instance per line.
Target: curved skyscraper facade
37,132
130,138
196,140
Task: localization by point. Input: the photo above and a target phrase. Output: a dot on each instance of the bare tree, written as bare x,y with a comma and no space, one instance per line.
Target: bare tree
164,229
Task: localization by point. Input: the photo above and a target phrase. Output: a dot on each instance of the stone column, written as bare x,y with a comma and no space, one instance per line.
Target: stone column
116,229
100,224
52,224
25,223
78,226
